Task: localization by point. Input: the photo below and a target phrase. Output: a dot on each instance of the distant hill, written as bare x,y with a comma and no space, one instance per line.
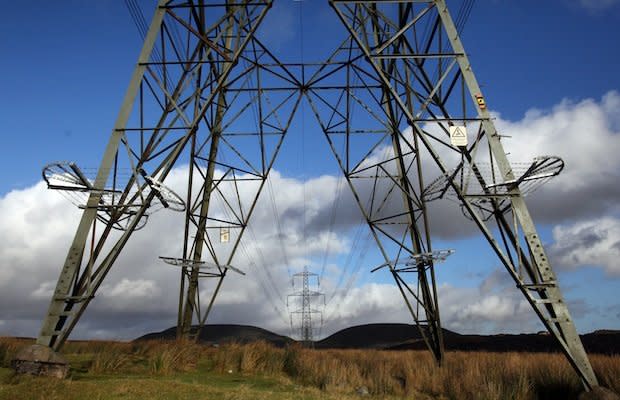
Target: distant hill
405,337
223,333
402,337
375,336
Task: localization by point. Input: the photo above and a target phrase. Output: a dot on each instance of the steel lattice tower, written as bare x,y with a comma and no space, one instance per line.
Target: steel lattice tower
396,101
308,299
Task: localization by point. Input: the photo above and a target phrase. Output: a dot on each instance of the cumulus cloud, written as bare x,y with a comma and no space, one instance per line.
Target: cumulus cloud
586,135
462,309
494,306
588,243
44,291
140,294
141,288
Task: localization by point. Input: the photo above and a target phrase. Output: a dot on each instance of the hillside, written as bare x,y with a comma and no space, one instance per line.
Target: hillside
223,333
407,337
375,336
402,337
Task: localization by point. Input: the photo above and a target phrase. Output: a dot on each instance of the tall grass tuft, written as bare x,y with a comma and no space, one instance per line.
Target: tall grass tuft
110,361
607,369
170,357
257,357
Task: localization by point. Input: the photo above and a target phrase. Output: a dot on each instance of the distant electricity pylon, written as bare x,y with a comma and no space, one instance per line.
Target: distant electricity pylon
402,112
306,302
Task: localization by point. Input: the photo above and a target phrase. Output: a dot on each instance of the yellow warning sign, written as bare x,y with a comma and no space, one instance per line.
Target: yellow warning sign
481,103
458,136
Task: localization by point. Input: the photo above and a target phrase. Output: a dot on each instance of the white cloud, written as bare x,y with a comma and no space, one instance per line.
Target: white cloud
128,289
588,243
141,292
380,300
586,135
44,291
33,220
483,310
493,308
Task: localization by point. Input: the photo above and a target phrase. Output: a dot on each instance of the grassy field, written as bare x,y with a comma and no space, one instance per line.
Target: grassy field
165,370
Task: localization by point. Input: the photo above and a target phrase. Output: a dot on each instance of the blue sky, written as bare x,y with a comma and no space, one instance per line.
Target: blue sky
66,67
526,54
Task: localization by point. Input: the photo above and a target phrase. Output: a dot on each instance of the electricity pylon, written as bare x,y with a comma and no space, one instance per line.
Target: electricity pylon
402,112
204,92
306,299
417,75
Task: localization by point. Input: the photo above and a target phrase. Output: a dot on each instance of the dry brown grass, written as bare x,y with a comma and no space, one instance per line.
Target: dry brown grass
166,358
152,357
464,375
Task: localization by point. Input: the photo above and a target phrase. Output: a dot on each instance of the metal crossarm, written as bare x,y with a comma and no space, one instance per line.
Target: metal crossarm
415,262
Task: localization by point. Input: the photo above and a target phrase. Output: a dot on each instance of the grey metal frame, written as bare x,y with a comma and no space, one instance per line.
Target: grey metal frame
385,31
175,109
307,300
403,65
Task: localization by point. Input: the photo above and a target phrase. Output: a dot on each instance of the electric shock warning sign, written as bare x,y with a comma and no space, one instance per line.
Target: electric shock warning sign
458,136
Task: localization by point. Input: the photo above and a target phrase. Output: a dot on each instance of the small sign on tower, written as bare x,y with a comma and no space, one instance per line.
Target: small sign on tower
480,100
458,136
224,234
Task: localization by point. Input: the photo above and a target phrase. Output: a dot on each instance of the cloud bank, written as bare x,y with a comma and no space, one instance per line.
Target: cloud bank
141,293
588,243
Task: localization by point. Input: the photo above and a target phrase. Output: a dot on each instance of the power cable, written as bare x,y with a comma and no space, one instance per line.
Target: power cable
463,15
135,11
269,285
274,207
332,222
365,247
279,231
303,126
264,283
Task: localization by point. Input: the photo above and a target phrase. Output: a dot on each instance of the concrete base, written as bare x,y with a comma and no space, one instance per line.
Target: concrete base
599,393
40,360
